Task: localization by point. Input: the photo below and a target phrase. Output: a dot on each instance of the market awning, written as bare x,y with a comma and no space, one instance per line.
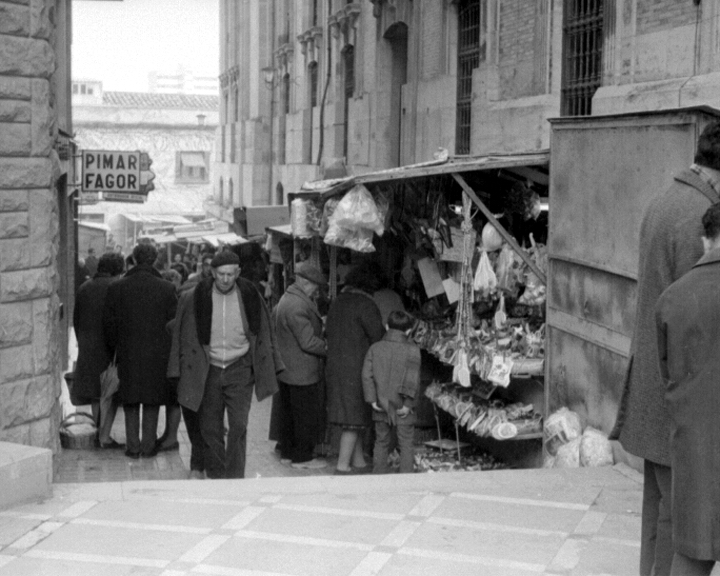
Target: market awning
524,164
94,225
227,238
193,159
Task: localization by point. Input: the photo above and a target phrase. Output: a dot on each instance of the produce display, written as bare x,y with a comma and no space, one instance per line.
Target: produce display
482,417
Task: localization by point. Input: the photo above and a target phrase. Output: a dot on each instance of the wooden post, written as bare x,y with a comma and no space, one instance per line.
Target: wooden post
500,228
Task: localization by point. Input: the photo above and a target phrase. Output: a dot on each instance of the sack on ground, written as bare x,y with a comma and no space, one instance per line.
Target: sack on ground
568,455
595,449
561,427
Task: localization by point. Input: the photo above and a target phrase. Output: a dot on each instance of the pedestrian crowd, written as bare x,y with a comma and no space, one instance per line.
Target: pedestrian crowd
668,413
200,344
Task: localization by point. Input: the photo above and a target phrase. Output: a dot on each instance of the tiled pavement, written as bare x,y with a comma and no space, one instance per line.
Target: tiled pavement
562,522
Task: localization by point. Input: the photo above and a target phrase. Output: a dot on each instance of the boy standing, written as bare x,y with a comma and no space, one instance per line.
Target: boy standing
391,379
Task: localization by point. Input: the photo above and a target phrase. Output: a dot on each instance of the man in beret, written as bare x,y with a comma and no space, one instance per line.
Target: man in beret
222,347
299,330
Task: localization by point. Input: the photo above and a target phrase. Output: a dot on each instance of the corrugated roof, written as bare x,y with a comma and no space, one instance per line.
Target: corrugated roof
152,100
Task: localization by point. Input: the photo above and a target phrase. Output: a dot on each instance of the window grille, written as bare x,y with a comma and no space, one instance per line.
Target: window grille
582,55
286,93
469,54
349,71
313,78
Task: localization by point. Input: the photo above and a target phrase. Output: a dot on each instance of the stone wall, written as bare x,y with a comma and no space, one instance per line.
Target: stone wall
30,358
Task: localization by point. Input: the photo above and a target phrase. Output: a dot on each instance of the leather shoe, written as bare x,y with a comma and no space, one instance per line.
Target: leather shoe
169,448
133,455
150,454
112,445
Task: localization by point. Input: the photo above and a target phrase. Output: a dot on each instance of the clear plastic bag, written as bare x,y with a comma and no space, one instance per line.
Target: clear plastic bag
357,240
485,280
305,218
595,449
357,210
561,427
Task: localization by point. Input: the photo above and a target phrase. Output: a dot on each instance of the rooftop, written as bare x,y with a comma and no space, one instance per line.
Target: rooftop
154,100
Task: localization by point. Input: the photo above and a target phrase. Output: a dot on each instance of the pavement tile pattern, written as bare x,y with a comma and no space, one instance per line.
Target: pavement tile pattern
561,522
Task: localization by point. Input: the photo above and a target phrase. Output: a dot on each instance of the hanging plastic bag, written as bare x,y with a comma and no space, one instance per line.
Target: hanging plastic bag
328,211
485,280
506,265
358,240
305,218
491,239
461,371
356,210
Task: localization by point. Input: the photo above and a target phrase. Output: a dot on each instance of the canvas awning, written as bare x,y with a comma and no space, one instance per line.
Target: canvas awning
227,238
193,159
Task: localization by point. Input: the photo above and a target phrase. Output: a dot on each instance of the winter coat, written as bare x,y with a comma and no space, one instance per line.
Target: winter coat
299,328
353,325
688,336
189,360
93,353
391,376
137,309
669,246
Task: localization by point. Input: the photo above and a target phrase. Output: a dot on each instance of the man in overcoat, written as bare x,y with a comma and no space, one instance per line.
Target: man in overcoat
137,308
223,346
669,246
688,332
299,331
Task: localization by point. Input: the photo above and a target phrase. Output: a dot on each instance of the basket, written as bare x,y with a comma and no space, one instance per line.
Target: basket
78,435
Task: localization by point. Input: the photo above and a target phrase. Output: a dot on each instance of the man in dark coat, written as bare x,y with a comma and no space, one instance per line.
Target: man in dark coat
93,354
299,331
137,309
688,331
223,345
669,246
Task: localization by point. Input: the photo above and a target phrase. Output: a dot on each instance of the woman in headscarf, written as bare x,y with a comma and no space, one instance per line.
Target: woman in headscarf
353,325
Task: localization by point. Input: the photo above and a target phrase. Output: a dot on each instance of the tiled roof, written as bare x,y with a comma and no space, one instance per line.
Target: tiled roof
152,100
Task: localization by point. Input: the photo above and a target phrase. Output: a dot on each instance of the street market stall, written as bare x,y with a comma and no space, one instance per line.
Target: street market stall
462,241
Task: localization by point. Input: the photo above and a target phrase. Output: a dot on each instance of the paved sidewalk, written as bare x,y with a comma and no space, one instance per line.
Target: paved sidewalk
570,522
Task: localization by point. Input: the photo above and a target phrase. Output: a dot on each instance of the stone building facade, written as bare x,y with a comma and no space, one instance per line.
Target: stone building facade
36,246
316,88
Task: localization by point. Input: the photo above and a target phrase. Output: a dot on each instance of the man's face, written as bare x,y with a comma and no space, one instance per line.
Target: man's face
177,258
206,267
225,276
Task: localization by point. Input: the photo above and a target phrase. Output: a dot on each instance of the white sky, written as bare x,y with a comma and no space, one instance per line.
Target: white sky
121,42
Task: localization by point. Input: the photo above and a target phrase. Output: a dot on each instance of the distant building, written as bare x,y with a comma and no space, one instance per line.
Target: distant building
176,130
182,82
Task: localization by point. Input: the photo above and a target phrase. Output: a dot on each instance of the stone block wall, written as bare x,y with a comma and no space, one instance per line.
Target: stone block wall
30,359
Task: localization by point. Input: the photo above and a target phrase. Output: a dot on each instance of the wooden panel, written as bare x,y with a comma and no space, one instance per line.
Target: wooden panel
592,296
586,378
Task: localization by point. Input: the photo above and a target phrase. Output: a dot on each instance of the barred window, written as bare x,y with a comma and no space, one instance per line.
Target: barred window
582,55
315,16
286,93
470,52
313,83
348,55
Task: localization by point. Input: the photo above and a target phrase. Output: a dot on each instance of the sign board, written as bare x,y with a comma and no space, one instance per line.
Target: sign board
121,197
116,172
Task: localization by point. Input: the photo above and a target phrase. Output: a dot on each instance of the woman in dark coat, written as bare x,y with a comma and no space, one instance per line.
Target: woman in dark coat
353,325
137,310
93,354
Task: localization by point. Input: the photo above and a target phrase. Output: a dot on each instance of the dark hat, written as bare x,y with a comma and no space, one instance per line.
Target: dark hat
310,272
225,258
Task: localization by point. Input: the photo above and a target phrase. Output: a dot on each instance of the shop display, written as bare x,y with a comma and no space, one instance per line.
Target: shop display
429,459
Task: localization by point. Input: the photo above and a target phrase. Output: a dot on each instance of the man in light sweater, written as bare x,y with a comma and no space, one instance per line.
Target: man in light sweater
222,346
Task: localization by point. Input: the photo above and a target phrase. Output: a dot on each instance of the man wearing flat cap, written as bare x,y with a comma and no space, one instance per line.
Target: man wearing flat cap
299,331
222,347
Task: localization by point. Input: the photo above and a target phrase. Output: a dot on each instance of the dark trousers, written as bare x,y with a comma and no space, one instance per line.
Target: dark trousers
150,414
685,566
656,548
383,439
300,409
197,448
230,390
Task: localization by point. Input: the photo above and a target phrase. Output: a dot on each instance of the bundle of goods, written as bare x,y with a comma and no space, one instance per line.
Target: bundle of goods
485,418
566,445
472,459
516,341
351,222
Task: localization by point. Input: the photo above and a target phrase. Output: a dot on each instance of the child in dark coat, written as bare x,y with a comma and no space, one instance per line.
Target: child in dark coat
391,380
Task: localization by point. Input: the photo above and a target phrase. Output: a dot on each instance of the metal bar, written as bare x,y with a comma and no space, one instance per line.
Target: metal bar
500,228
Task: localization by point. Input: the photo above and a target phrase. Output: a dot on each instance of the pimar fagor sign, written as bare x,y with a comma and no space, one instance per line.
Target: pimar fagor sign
120,176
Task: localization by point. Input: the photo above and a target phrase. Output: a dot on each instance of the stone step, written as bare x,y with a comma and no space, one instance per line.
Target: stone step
25,474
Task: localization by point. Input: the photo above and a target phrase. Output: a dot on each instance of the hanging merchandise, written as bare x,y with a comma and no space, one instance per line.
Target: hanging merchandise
509,270
357,210
360,240
491,239
305,218
485,279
